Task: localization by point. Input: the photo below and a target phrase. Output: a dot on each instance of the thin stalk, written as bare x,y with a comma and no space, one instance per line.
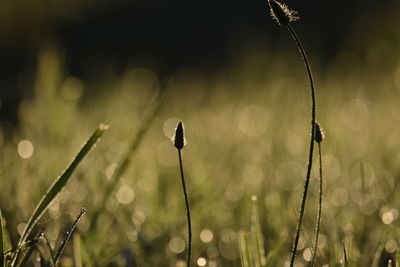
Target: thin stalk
2,262
31,246
68,236
345,261
27,244
318,225
47,242
257,235
189,222
245,255
310,156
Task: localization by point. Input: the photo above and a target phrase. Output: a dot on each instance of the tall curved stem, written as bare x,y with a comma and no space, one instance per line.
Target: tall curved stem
310,156
189,254
317,227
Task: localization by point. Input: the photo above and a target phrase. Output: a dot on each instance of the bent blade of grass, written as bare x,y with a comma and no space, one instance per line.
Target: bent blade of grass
59,184
1,242
68,235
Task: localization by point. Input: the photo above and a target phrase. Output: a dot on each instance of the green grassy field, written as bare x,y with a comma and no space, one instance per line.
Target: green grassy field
247,130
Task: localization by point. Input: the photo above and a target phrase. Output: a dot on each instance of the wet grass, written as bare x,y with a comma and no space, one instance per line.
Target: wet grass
248,135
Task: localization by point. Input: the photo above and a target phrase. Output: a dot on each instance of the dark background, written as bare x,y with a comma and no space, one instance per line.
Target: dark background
163,35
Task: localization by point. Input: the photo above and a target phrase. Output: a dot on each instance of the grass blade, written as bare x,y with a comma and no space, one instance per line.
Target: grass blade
149,116
377,256
77,251
81,254
42,257
59,184
345,261
47,242
68,236
244,249
257,234
23,246
319,212
1,242
31,248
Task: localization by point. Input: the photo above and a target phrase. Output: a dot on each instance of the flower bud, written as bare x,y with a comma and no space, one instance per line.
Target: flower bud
319,133
179,138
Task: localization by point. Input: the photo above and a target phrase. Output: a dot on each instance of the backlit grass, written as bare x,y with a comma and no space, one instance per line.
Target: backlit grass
248,132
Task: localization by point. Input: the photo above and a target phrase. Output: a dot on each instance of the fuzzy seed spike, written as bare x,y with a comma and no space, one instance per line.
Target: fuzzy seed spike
281,13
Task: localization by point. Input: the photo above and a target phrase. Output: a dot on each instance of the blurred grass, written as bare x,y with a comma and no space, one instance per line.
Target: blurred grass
60,183
247,132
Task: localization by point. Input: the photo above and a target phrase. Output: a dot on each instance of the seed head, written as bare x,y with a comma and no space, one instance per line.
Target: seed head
281,13
319,133
179,138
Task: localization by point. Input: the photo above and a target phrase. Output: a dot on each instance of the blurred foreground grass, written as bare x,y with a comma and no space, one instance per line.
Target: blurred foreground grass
247,133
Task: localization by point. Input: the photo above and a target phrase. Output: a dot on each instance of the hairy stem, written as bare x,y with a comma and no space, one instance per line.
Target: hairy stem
317,227
310,156
189,254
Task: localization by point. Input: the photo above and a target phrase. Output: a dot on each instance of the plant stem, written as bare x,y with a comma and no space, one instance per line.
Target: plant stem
317,227
2,263
68,236
189,254
310,157
345,262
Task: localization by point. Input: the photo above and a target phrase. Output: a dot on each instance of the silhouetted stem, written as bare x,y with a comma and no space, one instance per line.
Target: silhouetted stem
68,236
310,156
189,222
317,227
